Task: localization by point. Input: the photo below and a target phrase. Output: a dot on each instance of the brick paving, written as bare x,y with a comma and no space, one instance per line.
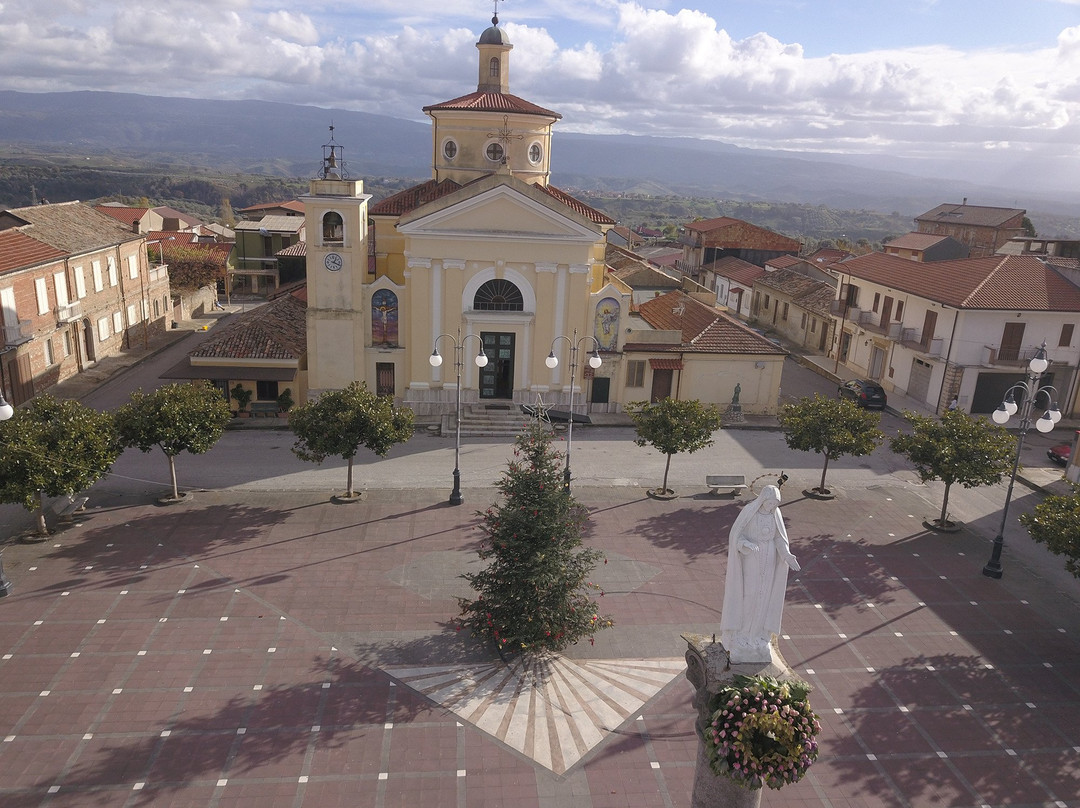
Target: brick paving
237,650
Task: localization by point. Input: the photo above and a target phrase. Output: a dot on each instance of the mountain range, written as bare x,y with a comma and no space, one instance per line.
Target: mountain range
284,140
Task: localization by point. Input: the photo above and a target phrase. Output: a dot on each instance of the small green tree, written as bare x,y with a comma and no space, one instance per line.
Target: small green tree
831,427
339,422
533,596
52,448
672,426
176,418
956,448
1055,522
242,396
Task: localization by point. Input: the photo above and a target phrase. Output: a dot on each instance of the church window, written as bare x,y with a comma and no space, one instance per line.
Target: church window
449,149
536,153
333,228
635,373
495,152
493,67
384,318
498,295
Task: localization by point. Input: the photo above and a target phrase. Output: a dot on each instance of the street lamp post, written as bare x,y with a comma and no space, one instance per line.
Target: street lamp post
1029,391
481,361
552,362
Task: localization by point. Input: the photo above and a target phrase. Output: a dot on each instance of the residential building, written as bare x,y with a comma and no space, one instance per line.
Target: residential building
262,350
642,279
255,253
796,307
681,347
983,230
709,240
733,281
75,286
925,247
965,327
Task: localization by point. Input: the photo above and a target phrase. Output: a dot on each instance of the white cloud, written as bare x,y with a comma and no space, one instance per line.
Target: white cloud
605,65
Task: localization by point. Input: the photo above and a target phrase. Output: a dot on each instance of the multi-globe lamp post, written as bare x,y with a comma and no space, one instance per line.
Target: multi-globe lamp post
552,362
435,360
1029,392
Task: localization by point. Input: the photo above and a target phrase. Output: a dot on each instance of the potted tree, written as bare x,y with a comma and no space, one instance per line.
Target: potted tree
285,400
242,396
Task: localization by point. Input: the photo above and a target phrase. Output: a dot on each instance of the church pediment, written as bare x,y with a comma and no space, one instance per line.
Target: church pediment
496,207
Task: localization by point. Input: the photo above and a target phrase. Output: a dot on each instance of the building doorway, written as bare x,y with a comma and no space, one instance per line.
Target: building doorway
661,385
384,379
497,377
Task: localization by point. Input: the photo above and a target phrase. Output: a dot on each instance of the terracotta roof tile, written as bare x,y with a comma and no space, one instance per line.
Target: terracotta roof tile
590,213
411,198
121,213
292,204
915,241
493,102
783,261
740,271
1017,282
73,227
977,215
704,329
18,250
705,225
277,330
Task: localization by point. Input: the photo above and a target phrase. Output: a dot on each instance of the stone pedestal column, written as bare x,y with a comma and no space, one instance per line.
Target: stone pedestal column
708,669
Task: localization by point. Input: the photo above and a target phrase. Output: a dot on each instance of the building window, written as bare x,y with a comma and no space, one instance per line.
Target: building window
333,229
493,67
802,321
114,277
813,325
60,283
131,315
784,315
768,301
49,360
157,312
450,149
635,373
877,300
41,288
495,152
498,295
899,311
266,391
103,329
133,267
67,343
536,153
1065,340
80,283
95,270
117,322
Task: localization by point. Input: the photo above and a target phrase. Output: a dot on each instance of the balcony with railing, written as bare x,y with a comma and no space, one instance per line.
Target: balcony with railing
995,355
18,333
912,339
841,308
69,313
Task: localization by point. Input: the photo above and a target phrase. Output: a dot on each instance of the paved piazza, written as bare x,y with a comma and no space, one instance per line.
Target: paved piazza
279,650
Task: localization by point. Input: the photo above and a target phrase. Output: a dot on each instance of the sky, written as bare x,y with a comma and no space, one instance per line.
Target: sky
932,80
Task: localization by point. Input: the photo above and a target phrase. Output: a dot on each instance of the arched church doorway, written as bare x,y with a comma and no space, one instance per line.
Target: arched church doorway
497,377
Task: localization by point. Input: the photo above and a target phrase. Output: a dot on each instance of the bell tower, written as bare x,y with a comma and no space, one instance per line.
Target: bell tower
494,47
335,214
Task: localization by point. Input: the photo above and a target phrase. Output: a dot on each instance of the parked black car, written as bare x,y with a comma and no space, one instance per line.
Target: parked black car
864,392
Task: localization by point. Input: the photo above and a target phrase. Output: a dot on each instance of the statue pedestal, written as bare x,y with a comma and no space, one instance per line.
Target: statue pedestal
734,415
708,669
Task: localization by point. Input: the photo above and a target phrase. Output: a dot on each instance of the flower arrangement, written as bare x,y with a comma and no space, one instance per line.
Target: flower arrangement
762,732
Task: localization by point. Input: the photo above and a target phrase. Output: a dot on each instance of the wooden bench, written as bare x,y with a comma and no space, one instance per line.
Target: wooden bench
265,408
726,483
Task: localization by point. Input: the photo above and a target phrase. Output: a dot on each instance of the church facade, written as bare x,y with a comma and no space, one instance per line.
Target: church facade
488,257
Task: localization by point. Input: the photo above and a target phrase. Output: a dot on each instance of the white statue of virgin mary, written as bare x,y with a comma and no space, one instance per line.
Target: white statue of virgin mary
758,562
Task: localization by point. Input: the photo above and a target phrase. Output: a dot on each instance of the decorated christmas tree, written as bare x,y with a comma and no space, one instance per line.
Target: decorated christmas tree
534,596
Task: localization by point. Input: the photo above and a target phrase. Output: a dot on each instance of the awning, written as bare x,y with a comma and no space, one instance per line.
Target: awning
185,370
666,364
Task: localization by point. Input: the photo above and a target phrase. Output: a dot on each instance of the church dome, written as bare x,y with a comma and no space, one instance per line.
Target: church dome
494,35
